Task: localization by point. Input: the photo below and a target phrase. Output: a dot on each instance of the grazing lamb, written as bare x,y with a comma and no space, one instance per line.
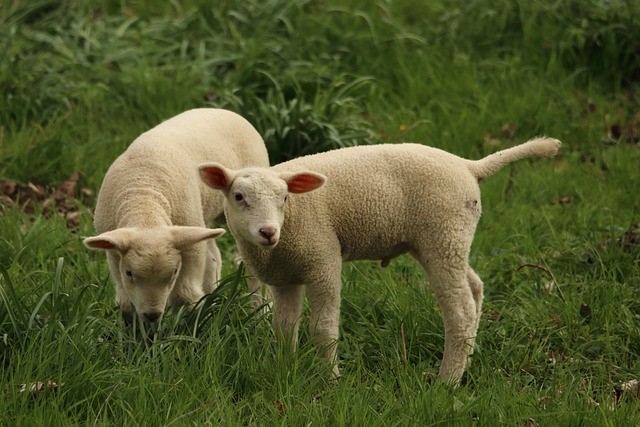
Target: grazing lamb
152,209
378,202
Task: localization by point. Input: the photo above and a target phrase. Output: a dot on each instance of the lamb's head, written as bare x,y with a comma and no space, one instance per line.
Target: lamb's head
149,261
255,198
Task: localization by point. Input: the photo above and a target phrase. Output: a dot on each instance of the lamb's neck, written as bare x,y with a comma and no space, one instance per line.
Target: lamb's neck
143,208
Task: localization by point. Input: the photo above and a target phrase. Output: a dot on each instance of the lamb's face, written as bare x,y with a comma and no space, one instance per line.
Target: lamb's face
256,198
149,264
148,273
255,206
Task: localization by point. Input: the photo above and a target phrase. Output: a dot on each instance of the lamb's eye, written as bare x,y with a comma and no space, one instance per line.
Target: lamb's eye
129,274
238,197
175,271
285,198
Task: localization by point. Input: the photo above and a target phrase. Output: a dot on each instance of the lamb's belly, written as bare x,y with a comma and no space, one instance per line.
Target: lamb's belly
375,251
372,232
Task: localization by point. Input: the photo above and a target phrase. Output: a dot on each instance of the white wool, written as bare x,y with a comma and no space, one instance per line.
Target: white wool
378,202
152,209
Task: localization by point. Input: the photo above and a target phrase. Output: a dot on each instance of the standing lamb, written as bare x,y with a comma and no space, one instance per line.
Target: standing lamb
378,202
152,210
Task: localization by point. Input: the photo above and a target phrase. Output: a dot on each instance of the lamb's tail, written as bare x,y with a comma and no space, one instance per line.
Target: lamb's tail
537,147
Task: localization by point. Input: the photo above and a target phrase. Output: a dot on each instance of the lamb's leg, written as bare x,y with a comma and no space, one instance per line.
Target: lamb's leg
259,293
287,308
477,287
188,288
122,298
458,308
455,298
324,298
213,268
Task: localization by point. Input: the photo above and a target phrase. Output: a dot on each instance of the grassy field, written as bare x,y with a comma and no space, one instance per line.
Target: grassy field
558,245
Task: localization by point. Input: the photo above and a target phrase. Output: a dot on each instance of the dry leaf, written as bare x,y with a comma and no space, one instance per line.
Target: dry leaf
631,388
585,312
551,360
86,194
545,400
38,190
493,315
6,200
32,197
508,130
38,387
629,240
491,141
566,200
628,132
549,286
68,187
73,219
8,188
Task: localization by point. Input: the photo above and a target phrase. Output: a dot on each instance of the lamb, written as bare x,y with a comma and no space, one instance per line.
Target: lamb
296,222
152,210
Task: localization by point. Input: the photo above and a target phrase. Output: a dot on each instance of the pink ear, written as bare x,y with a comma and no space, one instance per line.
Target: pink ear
304,182
99,243
118,239
214,176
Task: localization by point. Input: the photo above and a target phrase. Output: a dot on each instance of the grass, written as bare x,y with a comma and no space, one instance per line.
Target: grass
557,245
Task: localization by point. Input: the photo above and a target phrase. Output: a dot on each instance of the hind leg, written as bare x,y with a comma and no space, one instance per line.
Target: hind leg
477,287
457,302
458,308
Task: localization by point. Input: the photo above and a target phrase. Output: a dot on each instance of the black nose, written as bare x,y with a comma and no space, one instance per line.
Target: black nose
152,316
267,232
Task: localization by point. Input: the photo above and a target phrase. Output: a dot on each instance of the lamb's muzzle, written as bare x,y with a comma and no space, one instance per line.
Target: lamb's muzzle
268,235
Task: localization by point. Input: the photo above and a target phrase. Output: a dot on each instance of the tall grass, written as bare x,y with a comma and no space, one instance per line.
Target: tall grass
557,244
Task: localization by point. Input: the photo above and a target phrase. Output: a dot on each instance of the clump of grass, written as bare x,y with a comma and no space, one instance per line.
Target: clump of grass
326,115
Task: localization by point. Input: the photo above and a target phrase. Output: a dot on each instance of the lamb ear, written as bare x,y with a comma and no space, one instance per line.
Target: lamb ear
116,240
187,236
303,182
216,176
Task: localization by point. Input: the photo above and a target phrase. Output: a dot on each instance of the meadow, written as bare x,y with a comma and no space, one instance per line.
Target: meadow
558,245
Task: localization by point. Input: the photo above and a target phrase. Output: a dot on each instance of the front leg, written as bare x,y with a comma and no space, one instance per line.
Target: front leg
188,288
287,308
122,297
259,294
324,298
213,267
